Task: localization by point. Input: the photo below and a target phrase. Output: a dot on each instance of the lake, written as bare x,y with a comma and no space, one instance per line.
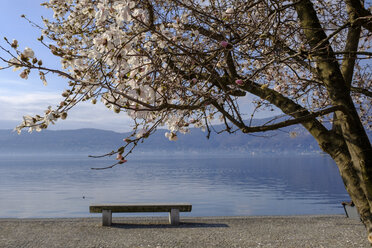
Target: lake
64,186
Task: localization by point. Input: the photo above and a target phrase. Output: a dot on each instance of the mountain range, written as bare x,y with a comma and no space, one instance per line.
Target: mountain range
90,141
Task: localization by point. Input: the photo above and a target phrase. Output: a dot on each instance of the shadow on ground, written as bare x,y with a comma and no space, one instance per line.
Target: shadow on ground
160,226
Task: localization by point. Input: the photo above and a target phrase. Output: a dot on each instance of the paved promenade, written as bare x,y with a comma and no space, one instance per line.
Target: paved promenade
299,232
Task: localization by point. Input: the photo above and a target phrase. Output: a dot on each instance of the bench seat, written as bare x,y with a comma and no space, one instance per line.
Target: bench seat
172,208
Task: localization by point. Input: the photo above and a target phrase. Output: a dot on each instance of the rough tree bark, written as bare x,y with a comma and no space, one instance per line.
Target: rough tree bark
354,155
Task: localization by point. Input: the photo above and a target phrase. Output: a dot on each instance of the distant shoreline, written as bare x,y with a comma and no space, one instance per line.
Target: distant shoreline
244,231
159,217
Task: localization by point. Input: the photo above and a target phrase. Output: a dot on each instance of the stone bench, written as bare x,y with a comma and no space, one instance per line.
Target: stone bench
174,210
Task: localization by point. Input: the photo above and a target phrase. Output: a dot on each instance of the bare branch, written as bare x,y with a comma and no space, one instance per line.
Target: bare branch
361,91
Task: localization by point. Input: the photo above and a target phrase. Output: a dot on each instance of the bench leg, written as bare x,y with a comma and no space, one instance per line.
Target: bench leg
174,217
106,217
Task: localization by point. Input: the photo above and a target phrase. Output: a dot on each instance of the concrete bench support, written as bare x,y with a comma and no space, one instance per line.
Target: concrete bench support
173,209
174,217
106,217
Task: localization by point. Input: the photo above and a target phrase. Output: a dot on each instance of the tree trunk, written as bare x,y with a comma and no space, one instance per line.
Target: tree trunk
353,187
361,161
354,156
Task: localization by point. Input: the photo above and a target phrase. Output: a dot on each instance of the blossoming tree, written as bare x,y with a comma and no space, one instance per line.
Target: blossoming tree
184,63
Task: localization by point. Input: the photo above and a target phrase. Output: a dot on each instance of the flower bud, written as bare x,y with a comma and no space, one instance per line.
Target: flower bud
14,44
24,74
65,94
64,116
117,110
224,44
239,82
122,161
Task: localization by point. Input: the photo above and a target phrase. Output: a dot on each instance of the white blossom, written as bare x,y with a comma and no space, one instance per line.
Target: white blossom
28,53
171,136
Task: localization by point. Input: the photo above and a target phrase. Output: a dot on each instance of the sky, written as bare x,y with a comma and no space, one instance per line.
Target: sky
19,97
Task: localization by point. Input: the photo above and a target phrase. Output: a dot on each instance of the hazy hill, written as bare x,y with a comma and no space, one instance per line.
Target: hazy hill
94,140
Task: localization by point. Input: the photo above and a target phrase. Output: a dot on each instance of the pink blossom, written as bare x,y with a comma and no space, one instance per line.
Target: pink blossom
224,43
122,161
127,140
239,82
194,80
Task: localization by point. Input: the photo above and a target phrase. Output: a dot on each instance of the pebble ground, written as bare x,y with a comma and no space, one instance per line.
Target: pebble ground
288,231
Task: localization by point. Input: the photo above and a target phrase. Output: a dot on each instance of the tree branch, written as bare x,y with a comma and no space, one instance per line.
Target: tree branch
291,122
359,15
347,67
264,128
361,91
205,32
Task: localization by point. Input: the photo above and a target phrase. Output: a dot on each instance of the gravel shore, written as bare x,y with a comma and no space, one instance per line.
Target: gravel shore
279,231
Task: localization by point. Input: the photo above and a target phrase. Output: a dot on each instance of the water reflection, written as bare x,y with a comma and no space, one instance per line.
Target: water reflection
64,187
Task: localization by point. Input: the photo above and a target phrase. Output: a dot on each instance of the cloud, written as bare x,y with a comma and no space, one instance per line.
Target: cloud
13,107
30,98
84,115
87,115
13,82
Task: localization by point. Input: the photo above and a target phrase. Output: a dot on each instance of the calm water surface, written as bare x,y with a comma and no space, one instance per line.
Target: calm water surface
64,186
